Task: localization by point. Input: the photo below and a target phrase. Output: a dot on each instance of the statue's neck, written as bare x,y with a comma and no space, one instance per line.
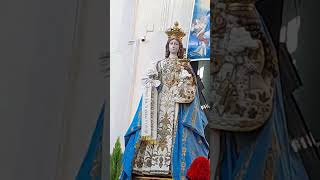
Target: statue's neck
173,56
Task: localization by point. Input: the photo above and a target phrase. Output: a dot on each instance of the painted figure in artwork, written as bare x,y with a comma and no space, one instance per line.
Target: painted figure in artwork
167,132
201,29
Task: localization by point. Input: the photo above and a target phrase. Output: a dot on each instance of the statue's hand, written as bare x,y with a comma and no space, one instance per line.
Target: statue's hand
184,74
151,72
156,83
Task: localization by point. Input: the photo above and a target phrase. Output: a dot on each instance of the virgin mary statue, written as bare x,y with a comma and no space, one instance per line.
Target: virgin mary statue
167,131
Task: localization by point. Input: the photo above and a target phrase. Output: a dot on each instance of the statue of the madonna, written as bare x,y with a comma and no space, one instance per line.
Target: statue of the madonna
167,131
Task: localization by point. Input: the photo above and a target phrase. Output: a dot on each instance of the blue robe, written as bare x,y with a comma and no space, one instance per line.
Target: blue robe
261,154
190,136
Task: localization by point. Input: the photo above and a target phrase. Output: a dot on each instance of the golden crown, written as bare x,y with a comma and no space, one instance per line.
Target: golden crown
175,32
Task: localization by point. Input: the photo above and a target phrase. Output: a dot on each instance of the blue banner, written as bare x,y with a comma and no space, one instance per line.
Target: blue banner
199,34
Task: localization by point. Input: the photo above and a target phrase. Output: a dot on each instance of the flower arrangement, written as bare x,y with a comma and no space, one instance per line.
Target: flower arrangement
199,169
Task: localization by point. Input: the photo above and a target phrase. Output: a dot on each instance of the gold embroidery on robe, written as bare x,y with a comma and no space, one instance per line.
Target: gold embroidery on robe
177,86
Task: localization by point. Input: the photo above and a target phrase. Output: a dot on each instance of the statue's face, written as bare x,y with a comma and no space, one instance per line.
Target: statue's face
173,46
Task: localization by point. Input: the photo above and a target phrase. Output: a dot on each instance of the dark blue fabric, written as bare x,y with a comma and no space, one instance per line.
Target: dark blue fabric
246,155
92,160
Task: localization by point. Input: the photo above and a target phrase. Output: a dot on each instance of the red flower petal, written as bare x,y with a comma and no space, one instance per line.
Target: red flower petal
199,169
